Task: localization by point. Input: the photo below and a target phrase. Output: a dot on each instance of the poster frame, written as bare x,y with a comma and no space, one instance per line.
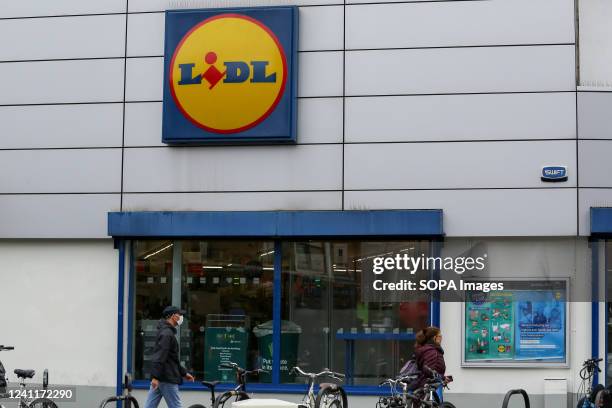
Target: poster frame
538,363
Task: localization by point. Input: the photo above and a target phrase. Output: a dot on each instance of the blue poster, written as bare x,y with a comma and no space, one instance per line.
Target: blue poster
540,325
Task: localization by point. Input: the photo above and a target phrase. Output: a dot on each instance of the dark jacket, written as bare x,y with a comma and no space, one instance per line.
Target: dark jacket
166,364
432,356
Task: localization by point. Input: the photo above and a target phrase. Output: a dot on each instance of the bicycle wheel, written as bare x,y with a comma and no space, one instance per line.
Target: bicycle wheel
447,405
225,400
197,406
331,396
42,403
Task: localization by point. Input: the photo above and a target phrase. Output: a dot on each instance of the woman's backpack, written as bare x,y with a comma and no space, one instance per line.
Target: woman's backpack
411,369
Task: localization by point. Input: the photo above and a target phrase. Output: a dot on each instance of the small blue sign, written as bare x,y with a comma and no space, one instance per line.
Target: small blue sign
554,173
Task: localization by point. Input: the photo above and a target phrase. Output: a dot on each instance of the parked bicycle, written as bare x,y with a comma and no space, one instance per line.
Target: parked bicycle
399,392
125,397
427,396
239,393
211,387
589,395
27,398
330,395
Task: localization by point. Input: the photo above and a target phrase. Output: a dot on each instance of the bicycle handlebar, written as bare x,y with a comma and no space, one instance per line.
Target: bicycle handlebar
394,381
436,378
324,373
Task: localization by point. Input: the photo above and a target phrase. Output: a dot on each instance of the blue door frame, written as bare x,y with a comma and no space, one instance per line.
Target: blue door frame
601,229
124,226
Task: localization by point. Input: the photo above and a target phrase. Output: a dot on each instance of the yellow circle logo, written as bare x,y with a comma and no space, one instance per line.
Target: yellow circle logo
228,73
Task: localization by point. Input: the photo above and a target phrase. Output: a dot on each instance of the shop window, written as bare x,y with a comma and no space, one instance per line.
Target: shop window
327,322
153,283
226,288
608,268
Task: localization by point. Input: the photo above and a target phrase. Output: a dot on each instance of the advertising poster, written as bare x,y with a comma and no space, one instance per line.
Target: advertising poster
489,327
527,322
540,327
224,345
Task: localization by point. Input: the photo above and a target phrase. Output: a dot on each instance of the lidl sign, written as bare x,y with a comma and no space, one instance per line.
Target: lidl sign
230,75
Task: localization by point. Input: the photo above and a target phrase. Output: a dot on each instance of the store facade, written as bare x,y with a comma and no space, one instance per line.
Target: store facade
432,129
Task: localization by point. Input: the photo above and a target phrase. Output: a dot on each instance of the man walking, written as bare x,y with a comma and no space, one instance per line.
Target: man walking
167,372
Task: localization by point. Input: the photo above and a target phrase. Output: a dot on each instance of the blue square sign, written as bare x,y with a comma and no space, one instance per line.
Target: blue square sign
230,76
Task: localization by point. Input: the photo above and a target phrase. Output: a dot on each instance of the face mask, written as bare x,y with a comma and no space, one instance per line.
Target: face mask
180,320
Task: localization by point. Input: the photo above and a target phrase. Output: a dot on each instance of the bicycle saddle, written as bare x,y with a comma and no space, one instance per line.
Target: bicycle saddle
24,373
210,384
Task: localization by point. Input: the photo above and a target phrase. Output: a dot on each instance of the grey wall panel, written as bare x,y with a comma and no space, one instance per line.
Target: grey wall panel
320,74
549,212
67,37
56,215
145,79
595,43
436,24
146,34
319,121
320,29
461,117
456,165
233,168
143,124
32,8
594,118
42,126
591,197
161,5
145,76
61,81
298,200
461,70
595,163
400,1
60,171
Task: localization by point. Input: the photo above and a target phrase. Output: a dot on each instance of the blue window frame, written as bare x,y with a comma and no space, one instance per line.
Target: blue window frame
275,225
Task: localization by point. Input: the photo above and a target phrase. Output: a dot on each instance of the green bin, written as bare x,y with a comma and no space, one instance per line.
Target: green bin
290,338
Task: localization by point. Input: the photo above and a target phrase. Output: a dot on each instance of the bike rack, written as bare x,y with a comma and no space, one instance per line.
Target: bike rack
127,397
514,392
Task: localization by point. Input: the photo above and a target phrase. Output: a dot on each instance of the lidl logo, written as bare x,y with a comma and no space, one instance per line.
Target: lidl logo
230,75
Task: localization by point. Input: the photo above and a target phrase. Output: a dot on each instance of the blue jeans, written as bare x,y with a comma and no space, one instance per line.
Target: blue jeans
170,392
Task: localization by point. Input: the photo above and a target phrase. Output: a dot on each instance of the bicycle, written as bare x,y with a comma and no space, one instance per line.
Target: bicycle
397,399
126,396
239,392
427,396
211,386
589,396
22,393
330,395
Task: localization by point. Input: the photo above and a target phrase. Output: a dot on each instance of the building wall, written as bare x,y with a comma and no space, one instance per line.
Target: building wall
522,258
446,104
59,309
594,104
